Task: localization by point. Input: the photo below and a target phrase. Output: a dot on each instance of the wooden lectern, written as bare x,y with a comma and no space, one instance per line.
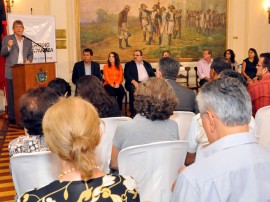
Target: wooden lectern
26,76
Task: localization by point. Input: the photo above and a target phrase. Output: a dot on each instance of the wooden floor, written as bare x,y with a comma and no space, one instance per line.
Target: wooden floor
8,133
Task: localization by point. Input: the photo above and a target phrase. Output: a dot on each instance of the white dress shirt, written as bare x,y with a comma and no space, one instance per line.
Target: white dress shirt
20,57
235,168
87,69
142,73
204,68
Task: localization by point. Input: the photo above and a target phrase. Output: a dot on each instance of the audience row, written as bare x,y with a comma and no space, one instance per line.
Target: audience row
225,114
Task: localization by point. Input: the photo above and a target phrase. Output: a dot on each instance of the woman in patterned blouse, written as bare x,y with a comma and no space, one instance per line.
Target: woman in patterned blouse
71,129
33,105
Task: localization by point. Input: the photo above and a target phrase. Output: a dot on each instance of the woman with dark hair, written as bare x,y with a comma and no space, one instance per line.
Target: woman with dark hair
113,76
61,86
249,69
90,88
230,55
155,102
33,105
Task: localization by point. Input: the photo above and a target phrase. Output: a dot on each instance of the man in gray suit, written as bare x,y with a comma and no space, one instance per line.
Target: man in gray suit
168,69
17,50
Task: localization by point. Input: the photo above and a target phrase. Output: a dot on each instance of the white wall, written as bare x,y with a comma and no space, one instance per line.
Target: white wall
247,27
24,7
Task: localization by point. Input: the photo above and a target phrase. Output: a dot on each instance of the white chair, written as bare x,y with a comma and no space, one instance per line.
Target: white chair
104,149
262,126
33,170
183,119
154,166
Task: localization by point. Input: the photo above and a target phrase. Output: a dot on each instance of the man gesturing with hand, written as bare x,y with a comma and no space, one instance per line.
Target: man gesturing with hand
17,50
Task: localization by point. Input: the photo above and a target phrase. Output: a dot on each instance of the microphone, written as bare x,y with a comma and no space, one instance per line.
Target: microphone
44,50
24,36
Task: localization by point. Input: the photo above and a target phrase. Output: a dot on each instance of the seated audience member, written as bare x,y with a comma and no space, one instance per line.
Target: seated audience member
166,53
155,102
71,129
259,90
218,65
204,67
196,136
233,74
86,67
33,105
197,139
249,65
90,88
230,55
135,72
113,76
168,69
61,86
235,167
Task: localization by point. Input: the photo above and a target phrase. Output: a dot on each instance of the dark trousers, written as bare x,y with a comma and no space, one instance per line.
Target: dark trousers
11,111
131,89
119,93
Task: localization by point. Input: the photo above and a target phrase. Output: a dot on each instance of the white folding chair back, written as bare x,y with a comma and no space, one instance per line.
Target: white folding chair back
103,151
154,166
263,126
33,170
183,120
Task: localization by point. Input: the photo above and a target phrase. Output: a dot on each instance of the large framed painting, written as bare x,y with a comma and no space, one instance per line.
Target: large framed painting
184,27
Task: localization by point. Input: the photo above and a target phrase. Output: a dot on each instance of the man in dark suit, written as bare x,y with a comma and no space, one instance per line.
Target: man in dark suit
136,71
168,69
86,67
17,50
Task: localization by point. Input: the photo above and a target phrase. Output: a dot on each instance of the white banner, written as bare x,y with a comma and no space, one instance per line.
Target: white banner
41,29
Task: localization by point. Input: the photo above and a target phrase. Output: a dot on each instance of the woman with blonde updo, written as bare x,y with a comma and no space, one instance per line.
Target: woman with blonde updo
71,129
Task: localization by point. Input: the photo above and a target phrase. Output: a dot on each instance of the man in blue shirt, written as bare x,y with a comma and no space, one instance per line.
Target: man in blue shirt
233,166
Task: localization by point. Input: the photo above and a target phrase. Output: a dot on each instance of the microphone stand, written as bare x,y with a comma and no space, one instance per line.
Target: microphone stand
44,50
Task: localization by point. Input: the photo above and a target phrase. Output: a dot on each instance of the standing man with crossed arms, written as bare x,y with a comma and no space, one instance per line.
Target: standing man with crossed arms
17,50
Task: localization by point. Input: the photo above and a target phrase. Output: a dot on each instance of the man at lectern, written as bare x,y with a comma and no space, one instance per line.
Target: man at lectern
17,50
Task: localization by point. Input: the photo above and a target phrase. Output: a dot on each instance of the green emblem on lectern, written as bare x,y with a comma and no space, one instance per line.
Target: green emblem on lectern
41,76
